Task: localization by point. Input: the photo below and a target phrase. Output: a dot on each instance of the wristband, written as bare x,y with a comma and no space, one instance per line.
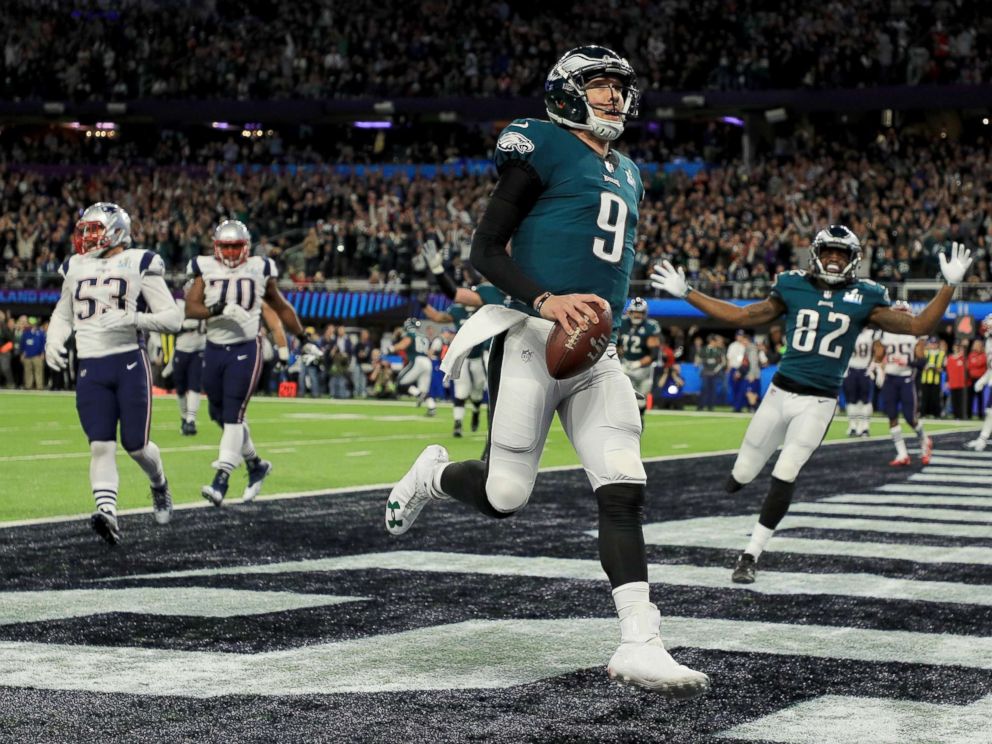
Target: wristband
216,309
539,302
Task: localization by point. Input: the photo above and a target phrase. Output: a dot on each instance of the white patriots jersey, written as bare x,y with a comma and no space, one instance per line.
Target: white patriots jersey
242,285
193,336
863,349
900,350
92,285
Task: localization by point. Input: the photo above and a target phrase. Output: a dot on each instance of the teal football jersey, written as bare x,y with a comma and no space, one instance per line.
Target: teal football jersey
579,236
822,326
419,345
634,339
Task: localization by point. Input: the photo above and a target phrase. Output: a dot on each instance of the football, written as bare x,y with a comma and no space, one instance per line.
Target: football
568,354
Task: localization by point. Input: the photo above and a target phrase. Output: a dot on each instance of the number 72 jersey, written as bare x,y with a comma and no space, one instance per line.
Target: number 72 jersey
822,326
579,235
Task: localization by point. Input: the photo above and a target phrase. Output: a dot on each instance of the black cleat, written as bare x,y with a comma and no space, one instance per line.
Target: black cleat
732,486
745,569
191,428
184,429
475,420
457,433
105,525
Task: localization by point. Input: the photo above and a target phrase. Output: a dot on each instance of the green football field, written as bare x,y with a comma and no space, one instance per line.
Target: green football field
314,444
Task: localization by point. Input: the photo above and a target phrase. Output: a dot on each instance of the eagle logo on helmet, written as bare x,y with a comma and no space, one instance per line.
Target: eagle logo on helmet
567,101
411,325
836,237
232,243
100,227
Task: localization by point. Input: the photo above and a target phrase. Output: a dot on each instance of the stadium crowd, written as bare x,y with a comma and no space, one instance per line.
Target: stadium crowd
319,49
732,227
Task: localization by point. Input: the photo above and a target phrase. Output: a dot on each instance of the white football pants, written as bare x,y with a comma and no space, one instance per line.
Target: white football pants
597,410
800,421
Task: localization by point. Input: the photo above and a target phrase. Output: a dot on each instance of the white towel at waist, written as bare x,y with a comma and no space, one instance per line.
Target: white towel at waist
486,322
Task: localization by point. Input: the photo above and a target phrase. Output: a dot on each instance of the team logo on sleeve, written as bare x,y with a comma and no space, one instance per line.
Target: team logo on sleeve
514,142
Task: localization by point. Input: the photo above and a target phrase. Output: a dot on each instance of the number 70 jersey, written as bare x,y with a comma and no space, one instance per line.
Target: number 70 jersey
242,285
579,235
822,326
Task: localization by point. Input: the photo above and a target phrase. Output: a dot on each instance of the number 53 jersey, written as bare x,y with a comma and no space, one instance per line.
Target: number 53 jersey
242,285
822,326
133,281
579,236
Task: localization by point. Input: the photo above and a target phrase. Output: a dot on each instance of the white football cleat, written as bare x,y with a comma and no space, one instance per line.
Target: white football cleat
256,476
978,445
412,493
162,503
643,661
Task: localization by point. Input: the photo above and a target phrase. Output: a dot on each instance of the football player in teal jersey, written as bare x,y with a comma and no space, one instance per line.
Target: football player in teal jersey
418,370
640,339
569,202
826,308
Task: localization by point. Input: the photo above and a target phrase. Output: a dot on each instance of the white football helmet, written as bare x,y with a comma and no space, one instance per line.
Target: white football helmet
232,243
100,227
838,237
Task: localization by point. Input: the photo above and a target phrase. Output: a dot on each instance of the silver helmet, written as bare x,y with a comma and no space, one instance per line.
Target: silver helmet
835,237
100,227
232,243
565,96
637,310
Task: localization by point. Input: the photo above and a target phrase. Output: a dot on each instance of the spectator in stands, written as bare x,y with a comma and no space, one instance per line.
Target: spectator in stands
957,381
32,349
737,370
712,362
977,364
7,347
310,366
363,363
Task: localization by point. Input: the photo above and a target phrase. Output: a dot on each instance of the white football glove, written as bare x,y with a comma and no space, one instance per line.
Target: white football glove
283,353
56,357
435,261
311,350
236,313
877,373
981,382
955,267
114,320
666,278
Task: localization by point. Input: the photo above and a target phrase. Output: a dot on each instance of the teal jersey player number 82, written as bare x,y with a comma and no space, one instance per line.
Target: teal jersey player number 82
579,236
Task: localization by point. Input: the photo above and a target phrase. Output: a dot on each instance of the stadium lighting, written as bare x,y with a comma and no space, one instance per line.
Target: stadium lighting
220,125
106,125
374,124
985,121
732,121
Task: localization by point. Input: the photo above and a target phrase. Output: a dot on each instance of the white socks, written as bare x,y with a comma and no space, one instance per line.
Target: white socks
231,442
149,459
639,619
459,413
759,539
248,446
987,426
103,476
898,441
192,406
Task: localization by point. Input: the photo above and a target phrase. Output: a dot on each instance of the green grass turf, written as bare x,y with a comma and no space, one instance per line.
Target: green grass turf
314,444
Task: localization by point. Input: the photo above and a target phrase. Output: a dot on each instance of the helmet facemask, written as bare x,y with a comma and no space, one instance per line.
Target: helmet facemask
835,237
232,243
101,226
567,98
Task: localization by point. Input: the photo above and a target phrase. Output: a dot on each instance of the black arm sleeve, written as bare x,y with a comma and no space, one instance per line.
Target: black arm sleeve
515,195
447,285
